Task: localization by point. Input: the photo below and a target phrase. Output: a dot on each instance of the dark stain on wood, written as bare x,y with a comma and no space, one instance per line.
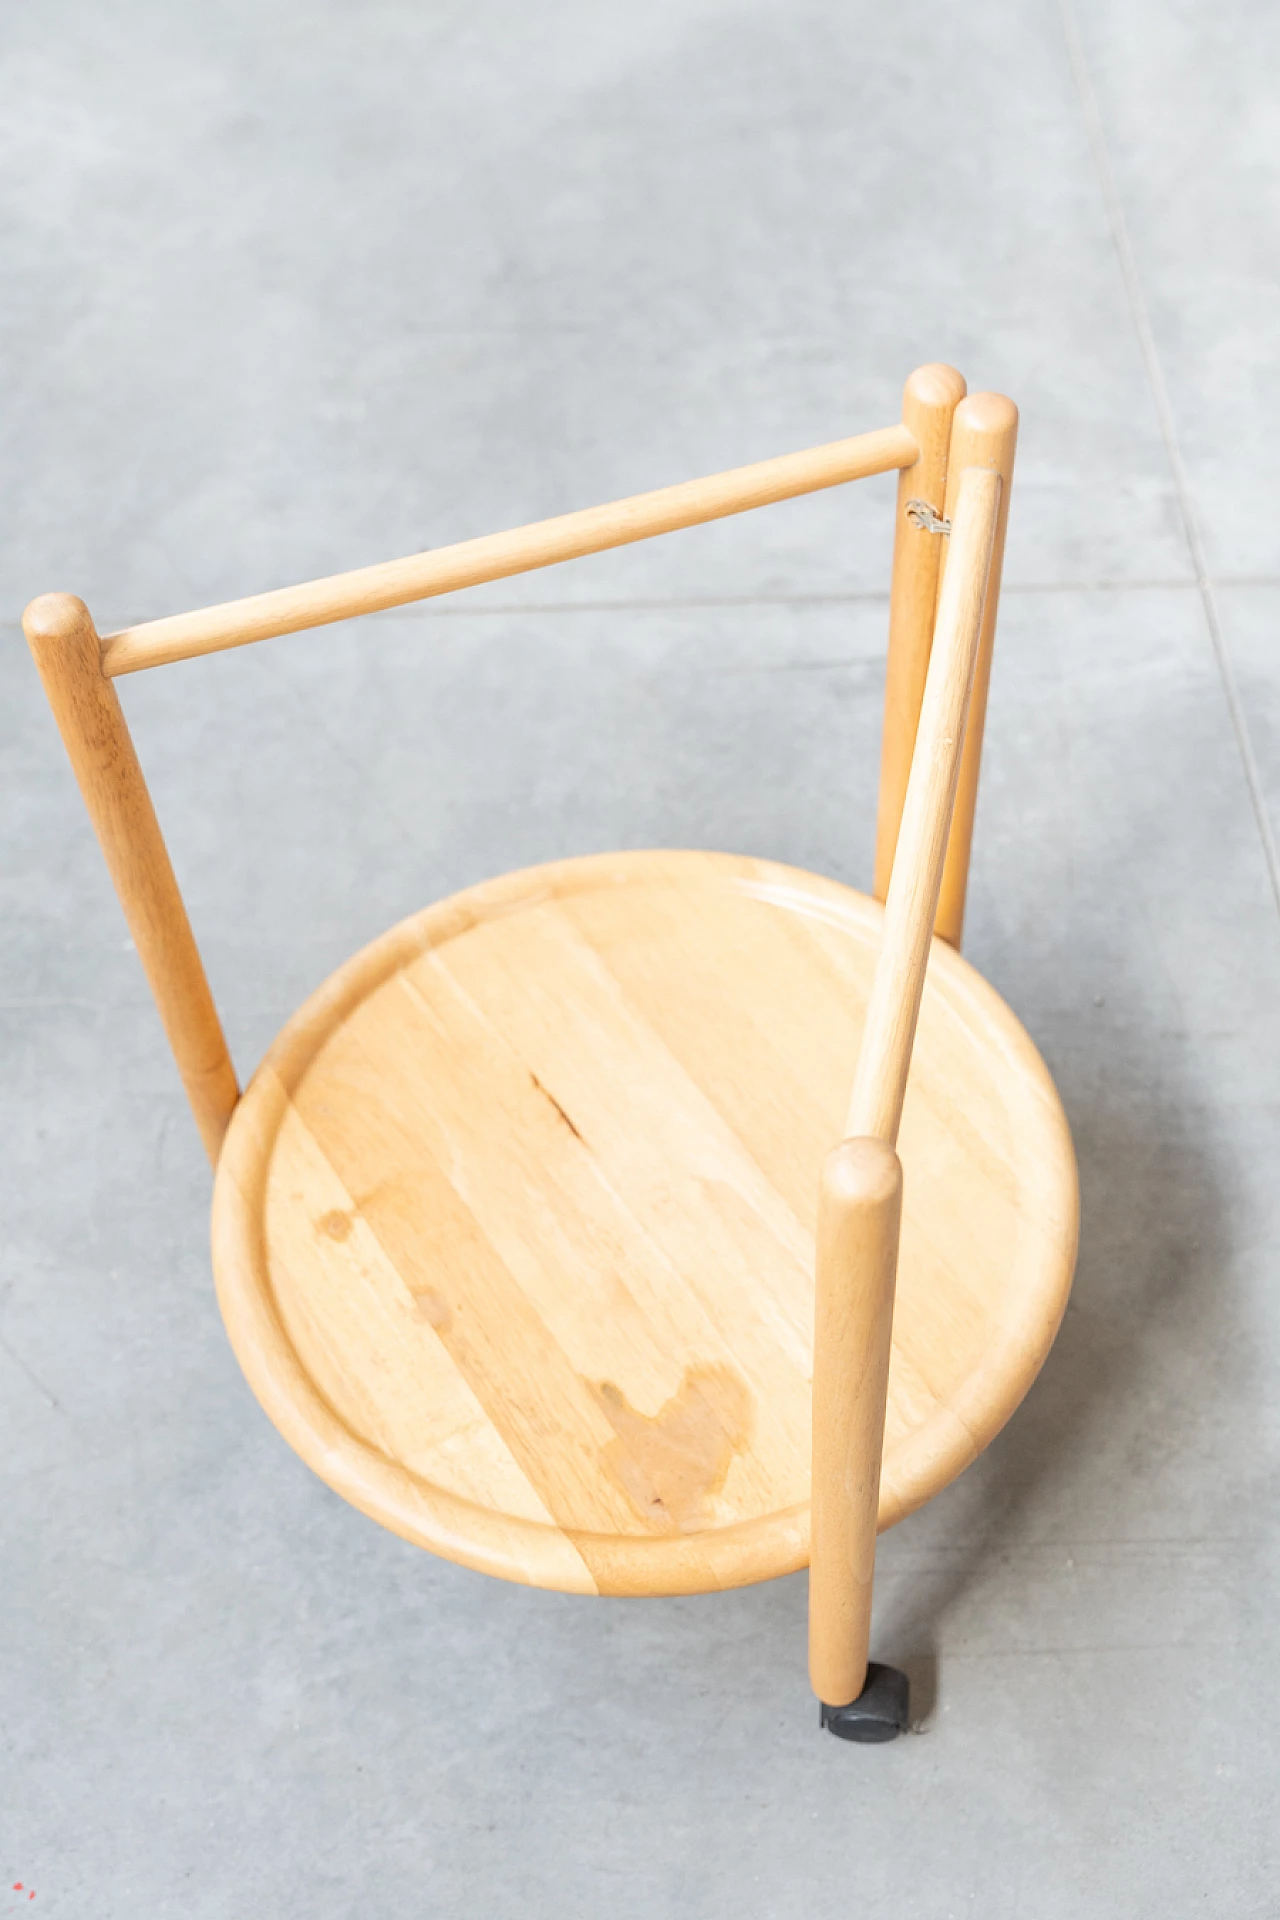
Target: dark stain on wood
671,1463
556,1104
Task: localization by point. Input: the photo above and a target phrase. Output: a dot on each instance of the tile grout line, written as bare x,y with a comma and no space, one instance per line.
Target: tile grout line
1168,431
506,609
696,603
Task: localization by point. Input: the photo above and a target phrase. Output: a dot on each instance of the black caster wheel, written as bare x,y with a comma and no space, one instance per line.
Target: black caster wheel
880,1711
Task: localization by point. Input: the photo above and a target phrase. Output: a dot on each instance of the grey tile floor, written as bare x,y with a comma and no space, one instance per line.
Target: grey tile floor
289,288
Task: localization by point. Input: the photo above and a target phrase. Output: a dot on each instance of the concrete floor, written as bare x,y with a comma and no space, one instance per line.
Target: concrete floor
290,288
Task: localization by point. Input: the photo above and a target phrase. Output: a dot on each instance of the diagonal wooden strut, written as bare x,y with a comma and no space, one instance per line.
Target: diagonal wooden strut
953,434
499,555
875,1107
861,1194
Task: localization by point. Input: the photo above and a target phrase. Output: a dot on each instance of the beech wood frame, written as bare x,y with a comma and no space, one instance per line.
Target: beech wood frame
954,456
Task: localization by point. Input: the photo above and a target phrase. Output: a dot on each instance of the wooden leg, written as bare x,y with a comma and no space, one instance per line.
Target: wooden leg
860,1210
984,433
928,403
911,911
86,707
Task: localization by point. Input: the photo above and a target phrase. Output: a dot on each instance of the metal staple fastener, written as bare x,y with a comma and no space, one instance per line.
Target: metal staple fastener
922,515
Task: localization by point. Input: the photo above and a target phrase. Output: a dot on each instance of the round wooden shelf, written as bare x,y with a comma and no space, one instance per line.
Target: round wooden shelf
513,1228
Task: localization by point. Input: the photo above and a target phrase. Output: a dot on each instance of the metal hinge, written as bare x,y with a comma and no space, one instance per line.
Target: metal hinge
922,515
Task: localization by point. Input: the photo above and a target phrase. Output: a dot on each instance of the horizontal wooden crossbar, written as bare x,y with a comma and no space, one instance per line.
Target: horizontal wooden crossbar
496,556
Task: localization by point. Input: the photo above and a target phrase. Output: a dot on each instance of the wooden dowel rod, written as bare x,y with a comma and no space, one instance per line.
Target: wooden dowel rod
928,402
86,707
884,1059
498,555
859,1214
984,433
860,1200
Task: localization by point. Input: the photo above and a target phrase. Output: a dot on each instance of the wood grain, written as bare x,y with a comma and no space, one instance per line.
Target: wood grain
514,1228
984,433
66,648
859,1219
884,1060
860,1207
497,556
929,400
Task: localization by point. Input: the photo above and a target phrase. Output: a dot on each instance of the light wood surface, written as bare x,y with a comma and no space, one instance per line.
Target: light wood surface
514,1227
930,399
861,1191
859,1217
984,433
395,583
885,1057
86,706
